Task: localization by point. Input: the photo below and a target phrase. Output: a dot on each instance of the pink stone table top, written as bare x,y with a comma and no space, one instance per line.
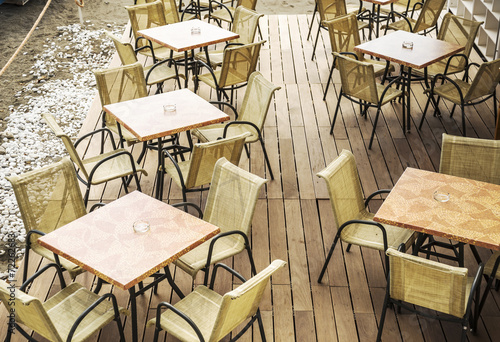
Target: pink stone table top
104,242
145,118
472,214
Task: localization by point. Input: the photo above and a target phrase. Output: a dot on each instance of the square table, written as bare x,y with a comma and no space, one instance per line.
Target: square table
104,243
471,215
146,120
178,37
425,51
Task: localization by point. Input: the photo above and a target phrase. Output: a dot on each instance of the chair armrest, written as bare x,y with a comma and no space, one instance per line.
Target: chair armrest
97,205
181,177
226,104
232,44
108,158
209,68
232,123
227,268
397,79
444,77
221,235
37,274
392,14
220,4
85,136
89,309
168,60
371,223
179,313
378,192
414,8
189,204
457,55
150,46
466,74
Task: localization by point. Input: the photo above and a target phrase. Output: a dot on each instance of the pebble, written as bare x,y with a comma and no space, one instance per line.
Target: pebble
27,142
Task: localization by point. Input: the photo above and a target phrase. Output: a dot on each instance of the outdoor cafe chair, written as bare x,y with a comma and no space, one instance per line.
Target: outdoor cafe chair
191,174
245,25
360,86
149,15
171,11
426,21
220,12
72,314
461,93
331,9
238,63
355,225
344,36
205,315
154,74
456,30
48,198
431,285
251,117
230,206
118,163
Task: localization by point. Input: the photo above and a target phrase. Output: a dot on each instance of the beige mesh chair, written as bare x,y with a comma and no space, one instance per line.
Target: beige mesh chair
359,85
119,84
118,163
148,15
205,315
344,36
48,198
171,11
355,225
220,12
154,74
245,24
427,19
238,62
459,92
456,30
197,171
72,314
331,9
250,119
230,206
431,285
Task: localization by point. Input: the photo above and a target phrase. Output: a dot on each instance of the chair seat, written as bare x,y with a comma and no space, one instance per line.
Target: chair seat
450,92
195,260
159,74
379,67
172,171
126,134
403,25
215,57
72,268
201,306
488,268
215,131
223,14
233,78
162,52
68,304
437,68
115,168
371,236
391,94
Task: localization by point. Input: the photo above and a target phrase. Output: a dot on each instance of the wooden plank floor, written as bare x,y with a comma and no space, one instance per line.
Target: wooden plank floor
293,219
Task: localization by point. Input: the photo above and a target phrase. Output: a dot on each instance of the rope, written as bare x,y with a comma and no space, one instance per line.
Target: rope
26,38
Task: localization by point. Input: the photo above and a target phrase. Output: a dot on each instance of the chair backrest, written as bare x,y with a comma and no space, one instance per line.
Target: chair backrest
243,302
250,4
75,157
28,310
429,15
49,197
119,84
472,158
427,283
329,9
256,101
485,82
146,16
344,34
205,155
460,31
238,63
232,197
357,78
344,188
245,24
169,10
125,50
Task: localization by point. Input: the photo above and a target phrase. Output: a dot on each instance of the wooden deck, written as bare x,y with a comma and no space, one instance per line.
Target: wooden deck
293,219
